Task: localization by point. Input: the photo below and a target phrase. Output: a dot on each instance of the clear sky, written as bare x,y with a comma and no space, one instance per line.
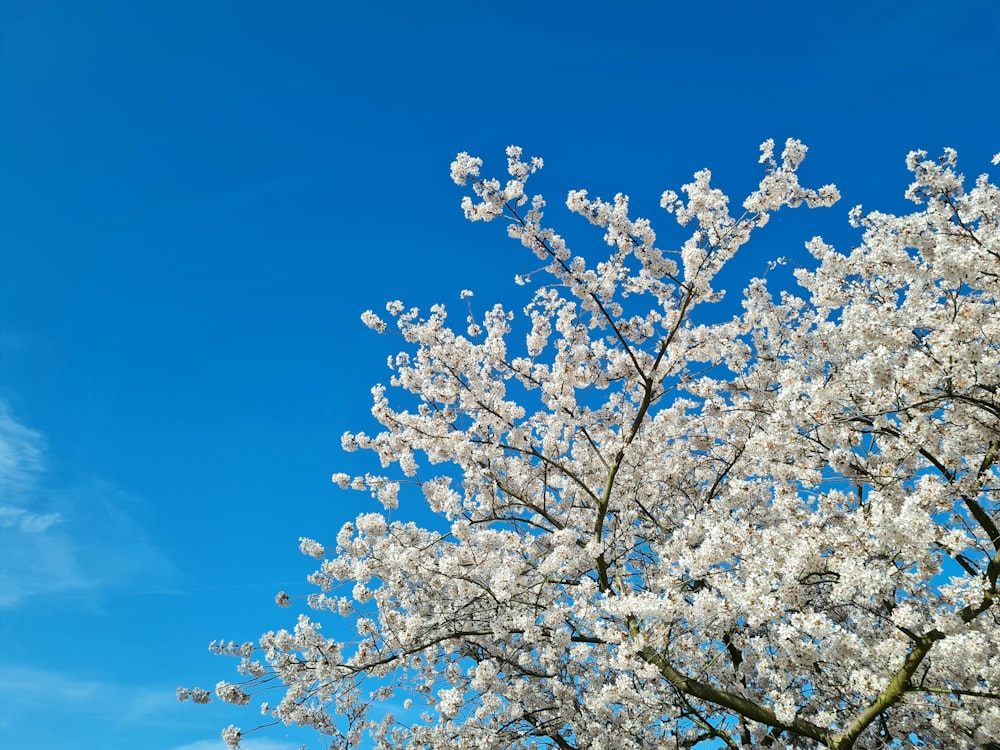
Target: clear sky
198,200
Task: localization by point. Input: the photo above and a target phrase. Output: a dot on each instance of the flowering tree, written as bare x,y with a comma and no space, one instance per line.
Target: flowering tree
776,531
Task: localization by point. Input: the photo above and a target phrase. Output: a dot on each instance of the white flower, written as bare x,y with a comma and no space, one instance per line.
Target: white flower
231,736
465,167
231,693
311,547
785,709
373,321
450,702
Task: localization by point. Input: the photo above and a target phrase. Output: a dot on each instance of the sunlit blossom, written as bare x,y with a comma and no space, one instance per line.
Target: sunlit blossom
659,529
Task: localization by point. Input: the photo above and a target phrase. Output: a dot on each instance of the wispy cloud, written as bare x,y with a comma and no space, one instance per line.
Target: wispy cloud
63,538
21,450
23,520
27,691
28,684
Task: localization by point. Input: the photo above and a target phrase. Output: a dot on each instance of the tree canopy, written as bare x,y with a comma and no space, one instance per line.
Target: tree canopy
659,530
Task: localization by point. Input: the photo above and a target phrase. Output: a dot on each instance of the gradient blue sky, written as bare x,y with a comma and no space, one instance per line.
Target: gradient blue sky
198,199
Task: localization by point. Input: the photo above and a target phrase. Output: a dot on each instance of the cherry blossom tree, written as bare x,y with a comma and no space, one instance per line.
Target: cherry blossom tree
662,531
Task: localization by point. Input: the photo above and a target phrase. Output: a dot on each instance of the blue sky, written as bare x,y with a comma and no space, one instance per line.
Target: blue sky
198,200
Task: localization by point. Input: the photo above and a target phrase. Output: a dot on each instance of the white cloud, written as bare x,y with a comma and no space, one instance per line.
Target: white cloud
28,683
24,520
21,451
26,691
78,538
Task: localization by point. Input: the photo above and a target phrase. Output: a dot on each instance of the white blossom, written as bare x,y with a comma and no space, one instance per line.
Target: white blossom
231,736
311,547
373,321
655,528
231,693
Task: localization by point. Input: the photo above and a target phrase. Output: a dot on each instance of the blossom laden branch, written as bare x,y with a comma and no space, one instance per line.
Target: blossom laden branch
660,530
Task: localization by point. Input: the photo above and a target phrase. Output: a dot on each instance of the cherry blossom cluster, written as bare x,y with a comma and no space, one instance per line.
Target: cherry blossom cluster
779,530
